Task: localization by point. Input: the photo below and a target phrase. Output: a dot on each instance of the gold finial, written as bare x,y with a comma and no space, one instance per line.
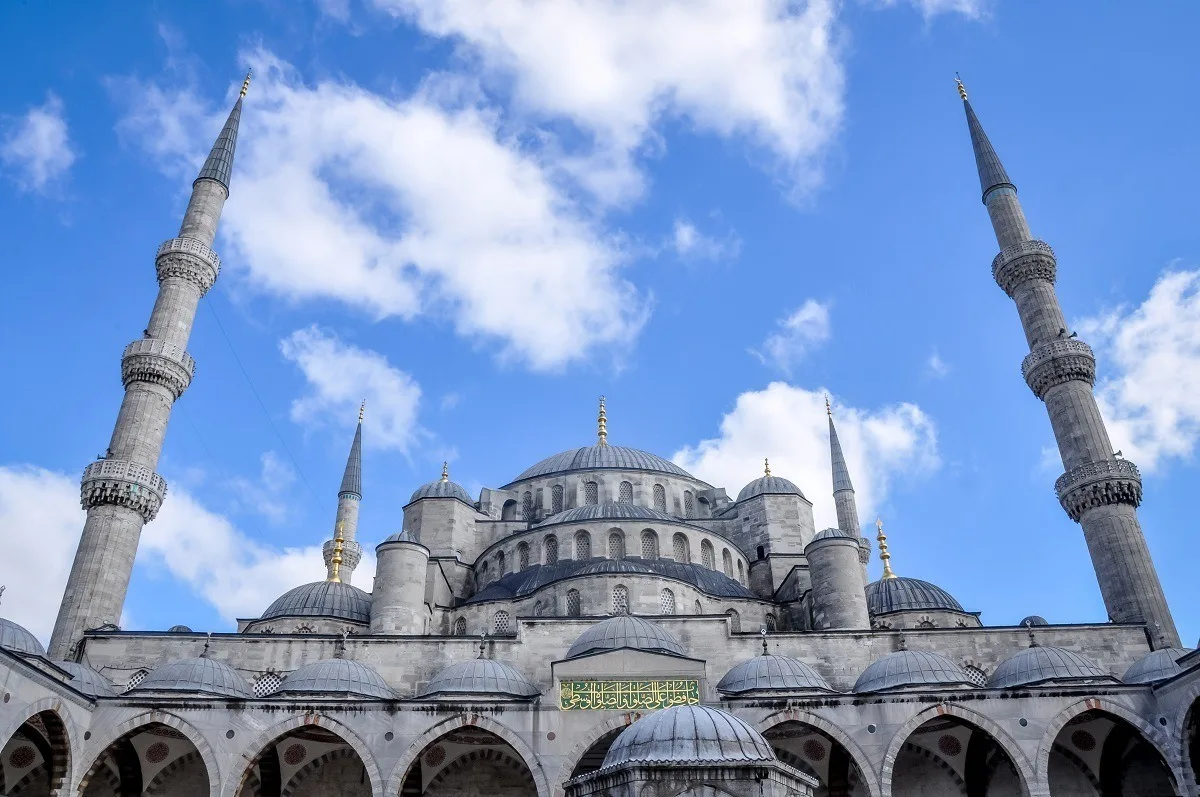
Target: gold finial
766,467
335,561
246,83
602,424
828,409
362,410
962,90
884,556
445,471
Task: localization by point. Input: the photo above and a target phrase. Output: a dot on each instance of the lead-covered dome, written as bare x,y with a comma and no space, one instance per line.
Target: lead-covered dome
768,485
17,639
624,631
609,510
86,680
333,599
688,734
602,457
1156,666
442,488
772,674
1039,665
900,594
336,678
483,677
201,675
911,668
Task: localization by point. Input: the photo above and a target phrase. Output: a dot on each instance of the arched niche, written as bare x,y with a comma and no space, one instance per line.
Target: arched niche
468,761
1096,753
36,757
149,759
307,760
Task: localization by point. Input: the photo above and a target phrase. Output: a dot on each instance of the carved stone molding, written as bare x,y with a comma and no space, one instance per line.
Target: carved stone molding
119,482
157,362
351,553
189,259
1056,362
1024,261
1114,481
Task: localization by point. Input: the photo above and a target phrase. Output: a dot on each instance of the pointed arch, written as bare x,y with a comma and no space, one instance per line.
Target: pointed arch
584,743
96,751
63,736
857,755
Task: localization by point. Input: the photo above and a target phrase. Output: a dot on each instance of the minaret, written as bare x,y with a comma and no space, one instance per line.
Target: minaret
346,523
121,491
1099,490
843,493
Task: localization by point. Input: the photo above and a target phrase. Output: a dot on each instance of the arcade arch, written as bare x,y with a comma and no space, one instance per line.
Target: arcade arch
36,758
309,760
1098,754
816,753
468,761
152,758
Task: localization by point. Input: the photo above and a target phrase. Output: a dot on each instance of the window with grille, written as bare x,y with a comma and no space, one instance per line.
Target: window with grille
727,563
591,493
741,572
735,620
666,601
660,498
267,684
977,676
706,554
501,624
460,626
625,496
572,603
689,505
649,545
500,564
523,555
616,545
538,609
583,545
772,624
304,629
556,498
680,544
136,679
527,505
620,600
551,546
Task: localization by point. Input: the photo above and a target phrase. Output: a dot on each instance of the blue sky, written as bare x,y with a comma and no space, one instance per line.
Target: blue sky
483,217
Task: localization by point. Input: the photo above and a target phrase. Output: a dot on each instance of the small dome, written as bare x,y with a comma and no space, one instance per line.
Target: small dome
17,639
832,534
688,734
1039,665
911,668
1156,666
85,679
768,485
323,599
202,675
609,510
480,677
1033,619
624,631
601,457
908,594
336,677
442,488
399,536
772,673
179,629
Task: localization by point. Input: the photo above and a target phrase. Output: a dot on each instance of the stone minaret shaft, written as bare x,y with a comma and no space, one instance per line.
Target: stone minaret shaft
1099,490
121,491
349,496
843,493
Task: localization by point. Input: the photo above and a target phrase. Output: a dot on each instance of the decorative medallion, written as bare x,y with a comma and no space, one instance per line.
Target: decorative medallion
294,755
814,750
157,752
22,758
627,695
435,756
949,745
1083,741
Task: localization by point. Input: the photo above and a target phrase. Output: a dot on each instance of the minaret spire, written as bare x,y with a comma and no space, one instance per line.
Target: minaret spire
341,558
1099,490
602,425
843,492
121,491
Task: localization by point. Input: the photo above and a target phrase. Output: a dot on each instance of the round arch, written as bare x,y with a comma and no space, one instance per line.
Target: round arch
593,735
95,752
62,772
396,779
1179,728
233,783
869,772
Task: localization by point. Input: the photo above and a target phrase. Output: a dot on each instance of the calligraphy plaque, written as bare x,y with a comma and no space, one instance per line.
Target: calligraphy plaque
627,695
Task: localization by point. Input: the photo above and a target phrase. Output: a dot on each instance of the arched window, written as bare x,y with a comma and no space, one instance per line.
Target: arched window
660,498
583,545
977,676
741,572
523,555
689,504
538,609
679,545
727,562
460,626
572,603
500,564
501,624
620,603
591,493
762,552
649,544
509,512
136,679
699,608
772,624
556,498
735,620
616,545
267,684
527,505
706,554
550,545
483,574
625,496
666,601
304,629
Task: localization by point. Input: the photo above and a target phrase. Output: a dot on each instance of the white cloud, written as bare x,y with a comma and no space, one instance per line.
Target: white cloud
788,424
1152,400
689,243
938,368
801,331
340,376
972,9
37,148
267,496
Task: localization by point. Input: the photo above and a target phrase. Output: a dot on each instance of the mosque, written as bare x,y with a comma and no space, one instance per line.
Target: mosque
605,623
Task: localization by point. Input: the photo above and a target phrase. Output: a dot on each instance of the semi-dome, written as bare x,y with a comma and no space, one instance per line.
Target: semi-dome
900,594
1039,665
602,457
688,734
624,631
442,488
768,485
336,678
17,639
609,510
1033,619
480,677
203,675
333,599
772,674
85,679
911,668
1157,665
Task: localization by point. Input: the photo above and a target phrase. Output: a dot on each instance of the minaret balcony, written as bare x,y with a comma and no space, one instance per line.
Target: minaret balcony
188,259
1057,362
1113,481
1024,261
157,362
119,482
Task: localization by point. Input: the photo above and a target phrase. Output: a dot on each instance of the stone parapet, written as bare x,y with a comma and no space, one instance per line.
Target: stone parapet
1056,362
351,554
1024,261
158,362
189,259
1113,481
120,482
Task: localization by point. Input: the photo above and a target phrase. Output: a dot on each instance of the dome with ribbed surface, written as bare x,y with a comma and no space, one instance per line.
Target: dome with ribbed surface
609,510
772,674
602,457
442,489
85,679
1156,666
688,734
480,677
911,668
624,631
179,629
1039,665
336,678
768,485
202,675
1033,619
16,638
908,594
323,599
833,534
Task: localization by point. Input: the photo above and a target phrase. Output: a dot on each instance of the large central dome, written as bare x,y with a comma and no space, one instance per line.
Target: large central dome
597,457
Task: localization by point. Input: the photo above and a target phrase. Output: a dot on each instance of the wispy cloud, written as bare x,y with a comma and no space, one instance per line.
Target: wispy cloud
936,366
971,9
37,149
798,333
689,243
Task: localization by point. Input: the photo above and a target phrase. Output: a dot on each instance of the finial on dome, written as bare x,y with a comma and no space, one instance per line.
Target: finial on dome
246,83
602,424
362,410
207,644
884,555
766,467
335,561
763,631
1032,639
962,90
483,645
445,471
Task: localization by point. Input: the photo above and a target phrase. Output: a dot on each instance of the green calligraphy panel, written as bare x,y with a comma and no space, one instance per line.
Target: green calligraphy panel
627,695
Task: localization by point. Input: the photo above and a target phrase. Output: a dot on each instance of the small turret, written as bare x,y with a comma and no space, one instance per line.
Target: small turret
398,598
839,598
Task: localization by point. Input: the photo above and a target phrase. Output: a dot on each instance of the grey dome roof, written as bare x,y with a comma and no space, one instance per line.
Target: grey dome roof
901,594
598,457
340,677
685,734
609,510
442,489
323,599
1039,665
179,629
772,673
17,639
1033,619
833,534
768,485
85,679
1155,666
911,668
202,675
399,536
480,677
624,631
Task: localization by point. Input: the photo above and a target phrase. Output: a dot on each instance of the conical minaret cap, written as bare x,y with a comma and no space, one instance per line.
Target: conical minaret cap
841,473
991,170
219,164
352,478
